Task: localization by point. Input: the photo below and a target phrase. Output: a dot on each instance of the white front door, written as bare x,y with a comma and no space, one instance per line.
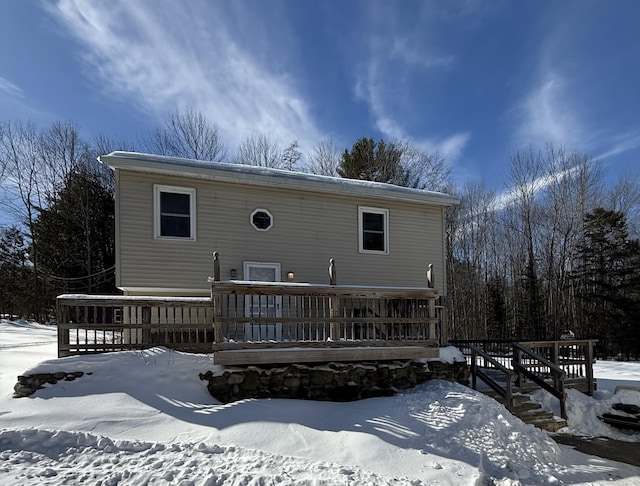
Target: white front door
262,305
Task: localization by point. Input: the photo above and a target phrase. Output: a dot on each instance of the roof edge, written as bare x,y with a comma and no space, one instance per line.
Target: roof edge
266,176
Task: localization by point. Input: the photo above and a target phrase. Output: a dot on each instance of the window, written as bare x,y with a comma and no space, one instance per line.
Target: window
261,219
373,230
174,212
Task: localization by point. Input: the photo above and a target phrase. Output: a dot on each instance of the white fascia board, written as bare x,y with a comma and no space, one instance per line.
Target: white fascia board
264,176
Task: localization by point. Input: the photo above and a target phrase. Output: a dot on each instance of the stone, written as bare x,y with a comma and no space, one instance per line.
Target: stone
320,377
292,382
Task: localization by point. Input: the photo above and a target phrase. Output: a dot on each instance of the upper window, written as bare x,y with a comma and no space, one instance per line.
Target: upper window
261,219
174,212
373,228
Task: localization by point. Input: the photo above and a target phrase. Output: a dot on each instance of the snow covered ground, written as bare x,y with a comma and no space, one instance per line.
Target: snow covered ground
146,418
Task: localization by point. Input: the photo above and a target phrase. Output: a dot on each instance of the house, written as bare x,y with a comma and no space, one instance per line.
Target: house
267,224
346,269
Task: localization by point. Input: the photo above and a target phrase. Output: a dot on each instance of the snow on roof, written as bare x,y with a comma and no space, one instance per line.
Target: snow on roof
266,176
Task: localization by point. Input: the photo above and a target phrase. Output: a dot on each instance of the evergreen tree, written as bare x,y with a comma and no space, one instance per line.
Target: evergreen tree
15,293
607,282
374,161
75,234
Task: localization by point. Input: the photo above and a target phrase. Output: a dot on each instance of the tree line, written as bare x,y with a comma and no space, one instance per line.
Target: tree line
557,251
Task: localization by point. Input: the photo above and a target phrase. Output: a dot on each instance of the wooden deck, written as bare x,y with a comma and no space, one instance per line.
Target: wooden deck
247,322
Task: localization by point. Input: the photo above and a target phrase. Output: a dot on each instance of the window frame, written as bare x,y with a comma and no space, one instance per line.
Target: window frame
367,209
158,189
260,210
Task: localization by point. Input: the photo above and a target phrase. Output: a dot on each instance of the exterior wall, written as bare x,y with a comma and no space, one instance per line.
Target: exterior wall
309,228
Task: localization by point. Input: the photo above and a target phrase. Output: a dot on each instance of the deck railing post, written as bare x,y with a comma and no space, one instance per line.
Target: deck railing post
517,361
216,301
508,399
474,367
216,266
591,384
62,312
334,304
430,277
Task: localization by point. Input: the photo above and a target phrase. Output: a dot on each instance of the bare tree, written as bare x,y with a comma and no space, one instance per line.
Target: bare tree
104,145
291,156
470,227
190,135
62,152
624,197
259,150
429,171
20,152
23,194
325,159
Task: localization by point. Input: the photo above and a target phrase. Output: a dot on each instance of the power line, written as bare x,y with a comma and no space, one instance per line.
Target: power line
72,279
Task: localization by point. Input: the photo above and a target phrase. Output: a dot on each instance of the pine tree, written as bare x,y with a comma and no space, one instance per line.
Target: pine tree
15,275
374,161
75,235
607,281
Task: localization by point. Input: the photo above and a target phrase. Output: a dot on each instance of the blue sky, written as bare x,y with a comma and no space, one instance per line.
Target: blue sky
472,80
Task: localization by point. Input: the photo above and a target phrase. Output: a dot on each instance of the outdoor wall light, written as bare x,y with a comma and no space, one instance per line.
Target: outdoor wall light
234,273
291,275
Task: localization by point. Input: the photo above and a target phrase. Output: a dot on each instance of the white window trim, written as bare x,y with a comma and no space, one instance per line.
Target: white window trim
383,211
260,210
159,188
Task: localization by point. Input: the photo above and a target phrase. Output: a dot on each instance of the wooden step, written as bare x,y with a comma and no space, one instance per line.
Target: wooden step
531,412
519,408
517,397
529,417
551,425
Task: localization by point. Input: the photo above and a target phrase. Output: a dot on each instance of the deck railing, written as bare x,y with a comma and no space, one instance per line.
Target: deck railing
551,365
248,316
101,323
574,357
251,313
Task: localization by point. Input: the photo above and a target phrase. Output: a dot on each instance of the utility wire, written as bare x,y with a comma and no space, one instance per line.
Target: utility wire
70,279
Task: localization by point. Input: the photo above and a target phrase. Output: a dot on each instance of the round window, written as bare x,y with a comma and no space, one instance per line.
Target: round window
261,219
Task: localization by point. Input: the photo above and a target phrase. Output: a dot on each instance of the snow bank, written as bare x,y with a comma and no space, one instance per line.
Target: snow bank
145,417
31,455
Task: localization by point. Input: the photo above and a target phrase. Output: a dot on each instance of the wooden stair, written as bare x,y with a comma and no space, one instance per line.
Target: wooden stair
531,412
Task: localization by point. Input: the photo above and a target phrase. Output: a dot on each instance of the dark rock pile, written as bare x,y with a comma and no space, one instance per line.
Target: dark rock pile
28,384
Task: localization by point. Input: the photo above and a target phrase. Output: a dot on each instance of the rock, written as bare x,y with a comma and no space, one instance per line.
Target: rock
332,381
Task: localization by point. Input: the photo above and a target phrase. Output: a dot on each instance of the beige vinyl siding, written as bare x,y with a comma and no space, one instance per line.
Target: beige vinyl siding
308,230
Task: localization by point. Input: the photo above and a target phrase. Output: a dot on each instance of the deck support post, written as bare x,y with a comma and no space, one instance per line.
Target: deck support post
216,301
334,303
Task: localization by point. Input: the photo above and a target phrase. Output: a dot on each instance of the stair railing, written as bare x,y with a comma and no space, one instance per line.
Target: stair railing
505,391
530,365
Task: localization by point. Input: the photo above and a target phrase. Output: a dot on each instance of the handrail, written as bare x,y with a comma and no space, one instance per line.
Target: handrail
505,392
558,374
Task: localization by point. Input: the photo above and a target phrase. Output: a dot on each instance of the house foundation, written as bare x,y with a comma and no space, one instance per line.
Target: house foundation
329,381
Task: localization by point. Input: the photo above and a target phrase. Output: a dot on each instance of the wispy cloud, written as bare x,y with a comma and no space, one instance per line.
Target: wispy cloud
564,102
10,89
160,56
619,144
547,114
374,90
393,60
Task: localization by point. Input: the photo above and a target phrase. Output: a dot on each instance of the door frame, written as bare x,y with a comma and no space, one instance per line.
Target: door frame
269,331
